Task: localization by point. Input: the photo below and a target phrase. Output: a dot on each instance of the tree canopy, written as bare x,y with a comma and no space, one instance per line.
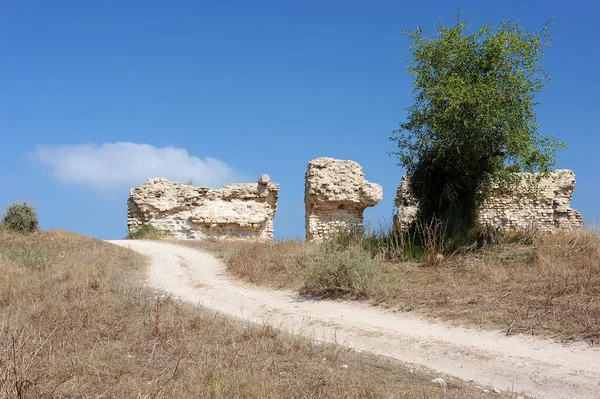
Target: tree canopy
473,119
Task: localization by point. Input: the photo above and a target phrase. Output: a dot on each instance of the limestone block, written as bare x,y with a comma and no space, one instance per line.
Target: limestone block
264,179
335,196
545,208
407,205
189,212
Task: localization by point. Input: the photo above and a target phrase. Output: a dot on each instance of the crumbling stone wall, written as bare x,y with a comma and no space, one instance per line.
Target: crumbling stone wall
189,212
546,208
335,196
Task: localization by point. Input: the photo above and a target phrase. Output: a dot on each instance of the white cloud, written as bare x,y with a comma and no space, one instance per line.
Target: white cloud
110,166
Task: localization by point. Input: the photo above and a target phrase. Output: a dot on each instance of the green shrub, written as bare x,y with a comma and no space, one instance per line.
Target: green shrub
340,271
387,242
20,217
148,231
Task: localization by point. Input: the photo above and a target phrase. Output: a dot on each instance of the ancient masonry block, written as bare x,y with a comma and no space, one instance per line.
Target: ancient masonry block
189,212
335,195
546,208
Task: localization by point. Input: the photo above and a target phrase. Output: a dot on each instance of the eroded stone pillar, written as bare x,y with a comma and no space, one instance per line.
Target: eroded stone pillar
335,196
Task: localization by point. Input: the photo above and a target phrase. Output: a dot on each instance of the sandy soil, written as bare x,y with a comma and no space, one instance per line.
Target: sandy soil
537,367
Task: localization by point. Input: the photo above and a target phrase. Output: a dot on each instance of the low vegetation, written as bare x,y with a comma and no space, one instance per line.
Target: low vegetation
338,270
148,231
76,322
20,217
262,262
538,284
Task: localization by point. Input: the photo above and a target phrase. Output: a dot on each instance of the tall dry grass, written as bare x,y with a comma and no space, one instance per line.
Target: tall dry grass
550,287
274,263
76,322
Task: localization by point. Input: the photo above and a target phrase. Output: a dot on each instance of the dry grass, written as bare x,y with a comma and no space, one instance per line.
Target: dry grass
278,264
551,287
546,285
76,323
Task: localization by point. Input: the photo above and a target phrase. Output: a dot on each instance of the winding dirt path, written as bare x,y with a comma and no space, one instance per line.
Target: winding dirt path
540,368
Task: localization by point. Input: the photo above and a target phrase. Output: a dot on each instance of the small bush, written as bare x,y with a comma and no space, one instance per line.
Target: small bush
337,271
148,231
20,217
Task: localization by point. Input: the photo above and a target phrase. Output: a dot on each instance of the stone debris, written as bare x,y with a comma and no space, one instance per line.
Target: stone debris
406,204
243,210
335,196
439,381
547,208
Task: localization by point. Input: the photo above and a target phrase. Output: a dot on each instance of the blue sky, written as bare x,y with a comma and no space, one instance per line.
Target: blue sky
224,91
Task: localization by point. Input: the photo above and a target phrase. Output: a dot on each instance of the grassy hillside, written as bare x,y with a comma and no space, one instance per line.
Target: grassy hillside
76,322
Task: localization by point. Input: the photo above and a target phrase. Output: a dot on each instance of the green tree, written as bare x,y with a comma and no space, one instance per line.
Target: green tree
473,119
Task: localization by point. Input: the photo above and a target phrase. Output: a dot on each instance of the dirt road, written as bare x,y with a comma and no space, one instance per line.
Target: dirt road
540,368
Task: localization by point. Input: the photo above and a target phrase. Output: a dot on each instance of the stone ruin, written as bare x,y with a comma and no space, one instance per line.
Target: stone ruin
335,196
546,208
189,212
